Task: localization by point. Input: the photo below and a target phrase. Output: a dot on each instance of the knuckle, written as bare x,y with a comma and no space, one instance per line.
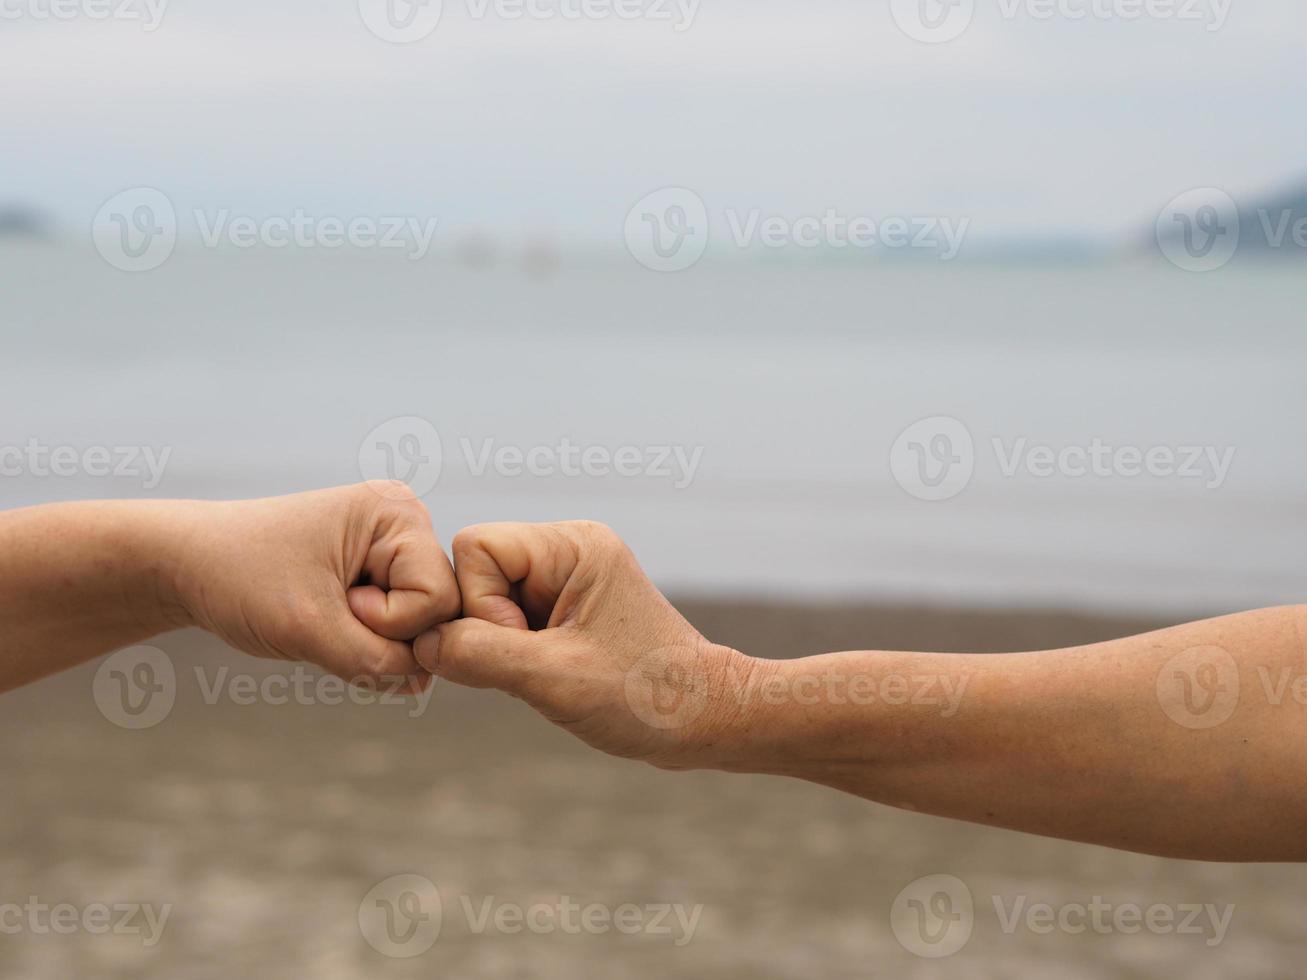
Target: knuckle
381,666
436,604
411,508
398,490
397,493
469,540
597,534
302,624
366,672
448,603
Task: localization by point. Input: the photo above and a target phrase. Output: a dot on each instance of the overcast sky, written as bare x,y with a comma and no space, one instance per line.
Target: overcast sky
1025,125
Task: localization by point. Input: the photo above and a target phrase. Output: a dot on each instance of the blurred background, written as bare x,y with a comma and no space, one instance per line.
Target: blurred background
867,324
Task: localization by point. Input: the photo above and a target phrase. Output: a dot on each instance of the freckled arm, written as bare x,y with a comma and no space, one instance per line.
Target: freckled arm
1189,742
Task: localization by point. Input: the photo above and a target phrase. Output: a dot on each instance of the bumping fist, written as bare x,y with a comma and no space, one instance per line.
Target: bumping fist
562,617
342,578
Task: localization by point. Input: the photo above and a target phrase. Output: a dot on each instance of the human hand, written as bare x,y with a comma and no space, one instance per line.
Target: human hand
342,578
562,616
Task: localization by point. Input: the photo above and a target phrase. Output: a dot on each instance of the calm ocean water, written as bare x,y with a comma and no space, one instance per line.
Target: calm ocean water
785,387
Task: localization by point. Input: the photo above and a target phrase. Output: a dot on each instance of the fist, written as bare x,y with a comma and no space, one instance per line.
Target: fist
341,578
562,616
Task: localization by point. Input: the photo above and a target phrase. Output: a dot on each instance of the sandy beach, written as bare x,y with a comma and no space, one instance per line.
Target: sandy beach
263,828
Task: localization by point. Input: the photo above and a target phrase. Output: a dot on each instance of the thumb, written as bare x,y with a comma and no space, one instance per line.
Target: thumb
475,653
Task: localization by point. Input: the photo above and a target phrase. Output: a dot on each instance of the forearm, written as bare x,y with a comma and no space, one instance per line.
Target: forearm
1111,744
78,580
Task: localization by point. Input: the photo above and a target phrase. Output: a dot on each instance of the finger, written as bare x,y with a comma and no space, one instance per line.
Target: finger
476,653
513,574
412,586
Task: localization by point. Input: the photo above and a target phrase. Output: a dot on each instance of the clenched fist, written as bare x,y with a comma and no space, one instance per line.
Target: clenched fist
561,616
342,578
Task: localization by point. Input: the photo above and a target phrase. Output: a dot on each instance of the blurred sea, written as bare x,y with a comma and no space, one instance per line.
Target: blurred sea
265,371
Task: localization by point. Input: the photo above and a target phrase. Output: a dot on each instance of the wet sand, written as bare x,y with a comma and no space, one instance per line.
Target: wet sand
265,826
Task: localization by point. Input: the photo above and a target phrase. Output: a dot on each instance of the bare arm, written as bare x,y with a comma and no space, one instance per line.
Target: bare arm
1188,742
343,578
79,580
1167,743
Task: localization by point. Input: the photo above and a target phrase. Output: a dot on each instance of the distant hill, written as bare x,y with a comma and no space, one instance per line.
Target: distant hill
1269,225
1274,226
18,221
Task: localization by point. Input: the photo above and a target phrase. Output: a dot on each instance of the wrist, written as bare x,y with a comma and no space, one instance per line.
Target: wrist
811,717
741,723
161,545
